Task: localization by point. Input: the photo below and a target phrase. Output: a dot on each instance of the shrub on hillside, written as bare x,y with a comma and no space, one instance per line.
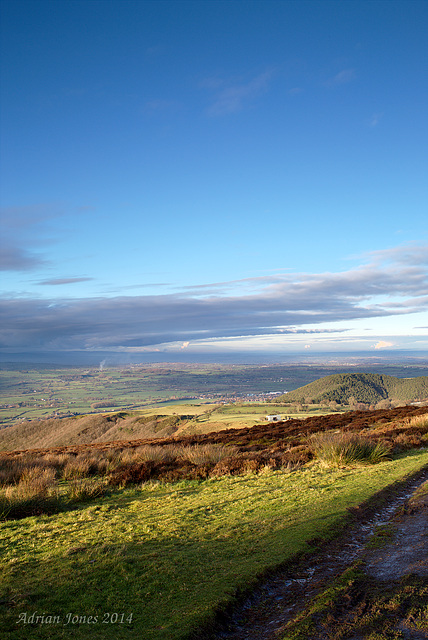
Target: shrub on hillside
103,405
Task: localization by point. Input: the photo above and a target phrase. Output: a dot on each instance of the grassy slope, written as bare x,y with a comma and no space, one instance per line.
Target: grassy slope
368,388
172,554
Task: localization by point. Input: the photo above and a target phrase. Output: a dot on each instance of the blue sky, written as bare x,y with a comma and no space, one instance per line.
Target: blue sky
214,176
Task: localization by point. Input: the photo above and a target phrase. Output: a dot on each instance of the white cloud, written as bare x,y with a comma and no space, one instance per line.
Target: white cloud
383,344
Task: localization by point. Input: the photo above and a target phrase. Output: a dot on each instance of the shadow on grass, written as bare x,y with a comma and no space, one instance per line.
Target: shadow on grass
169,586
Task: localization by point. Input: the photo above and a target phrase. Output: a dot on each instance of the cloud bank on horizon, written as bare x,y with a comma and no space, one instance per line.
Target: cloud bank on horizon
281,306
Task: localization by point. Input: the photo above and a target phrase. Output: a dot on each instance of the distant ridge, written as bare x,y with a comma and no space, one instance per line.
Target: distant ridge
368,388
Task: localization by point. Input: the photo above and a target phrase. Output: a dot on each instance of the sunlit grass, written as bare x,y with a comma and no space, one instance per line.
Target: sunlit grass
171,554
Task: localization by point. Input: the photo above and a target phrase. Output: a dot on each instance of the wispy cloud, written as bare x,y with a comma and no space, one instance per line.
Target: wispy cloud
146,285
161,106
343,77
278,304
230,97
410,254
59,281
15,258
375,119
24,230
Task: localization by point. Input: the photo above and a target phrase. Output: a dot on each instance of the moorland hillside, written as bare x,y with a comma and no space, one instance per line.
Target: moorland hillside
122,425
231,451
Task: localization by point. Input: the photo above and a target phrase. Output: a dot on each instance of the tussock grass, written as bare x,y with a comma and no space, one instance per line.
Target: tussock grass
284,446
13,507
34,494
207,453
76,469
33,489
341,449
196,454
35,481
172,463
39,493
81,489
153,453
421,422
12,468
86,464
55,461
30,483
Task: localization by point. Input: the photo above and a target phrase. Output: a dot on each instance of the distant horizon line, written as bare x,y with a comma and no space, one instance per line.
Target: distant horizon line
119,358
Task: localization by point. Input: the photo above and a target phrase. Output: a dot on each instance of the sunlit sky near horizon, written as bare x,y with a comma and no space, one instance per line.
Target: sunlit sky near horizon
214,176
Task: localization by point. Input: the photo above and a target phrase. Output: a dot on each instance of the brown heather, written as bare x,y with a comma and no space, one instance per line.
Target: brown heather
288,445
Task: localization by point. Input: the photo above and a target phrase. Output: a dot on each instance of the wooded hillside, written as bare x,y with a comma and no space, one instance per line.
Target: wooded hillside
368,388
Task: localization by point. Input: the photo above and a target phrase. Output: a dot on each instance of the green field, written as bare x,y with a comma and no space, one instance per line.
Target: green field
171,555
28,394
213,417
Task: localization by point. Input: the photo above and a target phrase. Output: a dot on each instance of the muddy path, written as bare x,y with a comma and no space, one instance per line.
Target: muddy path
279,599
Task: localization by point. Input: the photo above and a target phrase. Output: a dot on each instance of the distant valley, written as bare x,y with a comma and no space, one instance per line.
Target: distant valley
212,412
28,392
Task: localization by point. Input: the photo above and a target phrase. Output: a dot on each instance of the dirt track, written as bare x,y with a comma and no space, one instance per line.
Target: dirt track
407,550
267,612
